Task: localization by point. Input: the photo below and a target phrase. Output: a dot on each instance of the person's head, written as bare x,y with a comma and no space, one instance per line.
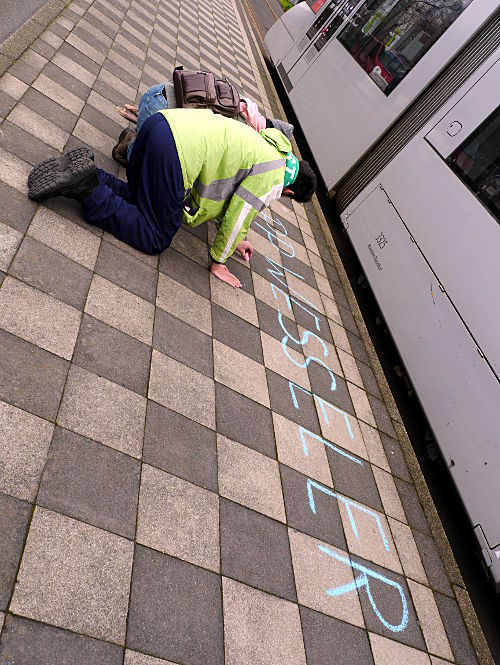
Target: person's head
304,185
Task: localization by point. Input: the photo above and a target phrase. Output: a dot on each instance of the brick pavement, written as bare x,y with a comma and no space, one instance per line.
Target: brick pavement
188,473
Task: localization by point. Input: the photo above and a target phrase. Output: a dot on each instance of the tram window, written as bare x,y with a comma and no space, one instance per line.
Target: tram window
477,163
388,37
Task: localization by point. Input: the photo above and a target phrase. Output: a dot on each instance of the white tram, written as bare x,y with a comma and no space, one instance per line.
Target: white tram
399,101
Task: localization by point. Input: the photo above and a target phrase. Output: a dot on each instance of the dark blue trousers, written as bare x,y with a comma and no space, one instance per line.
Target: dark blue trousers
146,212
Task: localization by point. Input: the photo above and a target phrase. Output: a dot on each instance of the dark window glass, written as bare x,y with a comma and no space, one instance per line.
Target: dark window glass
388,37
477,163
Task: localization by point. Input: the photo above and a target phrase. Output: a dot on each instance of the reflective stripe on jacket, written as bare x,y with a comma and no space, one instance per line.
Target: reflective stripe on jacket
230,172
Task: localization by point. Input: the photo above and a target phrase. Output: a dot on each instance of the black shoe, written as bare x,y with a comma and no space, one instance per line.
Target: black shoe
71,175
60,162
119,152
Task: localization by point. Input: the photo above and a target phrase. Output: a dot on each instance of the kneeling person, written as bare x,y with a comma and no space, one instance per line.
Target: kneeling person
187,165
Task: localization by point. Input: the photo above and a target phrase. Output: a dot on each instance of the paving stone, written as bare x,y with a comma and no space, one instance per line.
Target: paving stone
90,482
361,404
312,320
255,550
185,271
72,67
121,309
340,427
136,658
237,301
353,479
430,621
329,386
103,411
314,347
269,323
374,447
180,446
260,628
12,86
407,551
31,643
16,210
282,401
325,523
51,272
237,333
178,518
21,143
285,361
14,519
74,576
386,597
316,571
456,630
39,126
249,478
243,420
175,610
34,378
10,239
126,271
183,303
431,561
389,494
388,652
38,318
328,640
412,507
181,341
14,171
240,373
109,353
382,417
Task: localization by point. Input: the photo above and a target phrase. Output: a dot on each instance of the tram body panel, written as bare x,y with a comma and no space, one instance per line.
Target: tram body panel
282,36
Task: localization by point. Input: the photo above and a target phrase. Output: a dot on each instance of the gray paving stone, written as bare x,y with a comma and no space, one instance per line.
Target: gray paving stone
325,524
412,507
431,561
269,323
255,550
395,457
321,385
457,632
175,610
109,353
24,145
180,446
328,640
183,342
7,103
33,378
14,519
282,402
358,347
91,482
10,240
312,320
100,121
51,272
384,422
243,420
16,209
354,480
233,331
260,628
31,643
187,272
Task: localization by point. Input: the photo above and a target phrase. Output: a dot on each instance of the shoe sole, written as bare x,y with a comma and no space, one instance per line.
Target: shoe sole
58,164
47,183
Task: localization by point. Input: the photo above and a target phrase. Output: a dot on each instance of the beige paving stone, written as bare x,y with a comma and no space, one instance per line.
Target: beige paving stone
65,237
108,109
24,444
350,368
128,66
240,373
14,171
250,478
75,7
10,239
182,389
285,212
310,243
259,628
263,246
237,301
374,539
145,258
105,20
34,59
96,34
407,550
314,260
74,576
127,25
103,411
304,292
301,450
277,236
86,49
12,86
374,447
121,309
64,22
51,39
178,518
389,652
132,48
59,93
136,658
93,137
38,318
430,621
361,404
299,209
316,571
2,619
263,291
315,347
340,427
117,84
183,303
38,126
389,494
339,335
331,309
439,661
73,68
291,366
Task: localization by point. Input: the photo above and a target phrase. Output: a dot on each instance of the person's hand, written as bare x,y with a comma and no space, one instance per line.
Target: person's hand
245,249
222,272
128,112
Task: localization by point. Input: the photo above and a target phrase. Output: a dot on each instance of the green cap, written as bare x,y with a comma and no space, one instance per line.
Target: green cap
291,169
